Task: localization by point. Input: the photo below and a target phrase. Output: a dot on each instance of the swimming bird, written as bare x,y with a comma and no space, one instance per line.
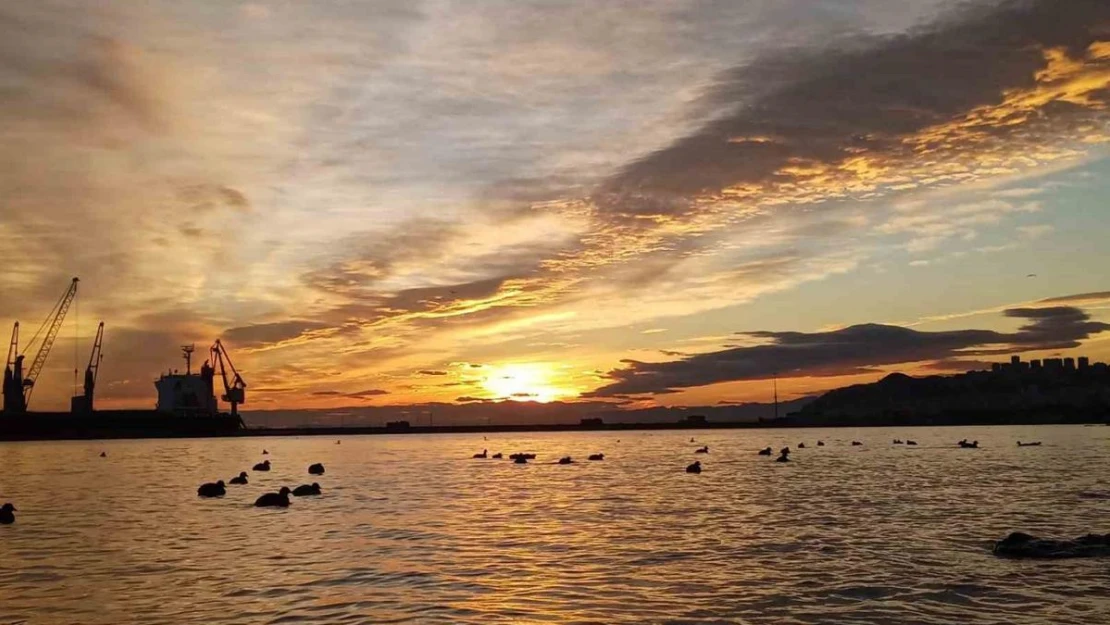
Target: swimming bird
565,460
265,453
766,451
6,516
820,443
691,440
305,490
279,499
702,450
262,466
966,445
316,469
484,454
497,456
212,490
596,457
856,443
521,455
897,441
241,479
103,454
519,459
909,442
694,468
783,453
1036,444
801,445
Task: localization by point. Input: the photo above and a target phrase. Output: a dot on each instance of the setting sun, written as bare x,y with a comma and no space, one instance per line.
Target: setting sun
524,382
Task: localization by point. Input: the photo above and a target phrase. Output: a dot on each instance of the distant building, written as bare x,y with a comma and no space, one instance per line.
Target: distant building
1053,364
1084,363
1015,361
591,422
1035,364
1069,364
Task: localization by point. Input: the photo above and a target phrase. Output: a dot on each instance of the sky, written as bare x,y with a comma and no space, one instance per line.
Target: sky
650,203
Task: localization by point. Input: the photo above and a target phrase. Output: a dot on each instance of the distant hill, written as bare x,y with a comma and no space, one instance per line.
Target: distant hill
1013,393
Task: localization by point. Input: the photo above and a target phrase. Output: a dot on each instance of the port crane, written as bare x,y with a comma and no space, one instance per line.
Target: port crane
13,375
84,403
24,384
235,389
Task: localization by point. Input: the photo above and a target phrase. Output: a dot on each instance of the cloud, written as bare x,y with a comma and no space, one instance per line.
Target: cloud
264,334
1079,298
855,349
431,372
871,112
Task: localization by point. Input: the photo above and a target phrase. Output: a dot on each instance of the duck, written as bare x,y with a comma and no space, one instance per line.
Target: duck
265,452
596,457
566,460
484,454
1036,444
898,441
316,469
6,516
525,456
262,466
856,443
497,456
212,490
520,459
694,468
702,450
103,454
766,451
305,490
784,454
240,479
279,499
801,445
820,443
966,445
909,442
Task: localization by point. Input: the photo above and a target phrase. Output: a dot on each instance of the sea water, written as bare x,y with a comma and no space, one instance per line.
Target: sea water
411,529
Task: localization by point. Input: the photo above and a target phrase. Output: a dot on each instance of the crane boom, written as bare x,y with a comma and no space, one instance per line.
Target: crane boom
55,325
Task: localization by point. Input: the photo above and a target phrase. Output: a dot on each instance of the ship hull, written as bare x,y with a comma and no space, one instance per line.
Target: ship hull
106,424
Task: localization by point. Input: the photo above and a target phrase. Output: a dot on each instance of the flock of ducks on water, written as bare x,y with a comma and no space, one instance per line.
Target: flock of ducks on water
280,499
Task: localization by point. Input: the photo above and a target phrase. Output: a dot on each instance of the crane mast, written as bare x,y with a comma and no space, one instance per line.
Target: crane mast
235,389
13,375
55,325
84,403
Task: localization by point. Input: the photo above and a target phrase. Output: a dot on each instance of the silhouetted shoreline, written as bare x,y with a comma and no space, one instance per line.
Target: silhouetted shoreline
93,431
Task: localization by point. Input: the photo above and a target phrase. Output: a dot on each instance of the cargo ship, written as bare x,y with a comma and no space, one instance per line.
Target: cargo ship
186,404
186,407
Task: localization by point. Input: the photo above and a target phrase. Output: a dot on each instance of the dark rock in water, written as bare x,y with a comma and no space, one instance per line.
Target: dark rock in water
305,490
316,469
1022,545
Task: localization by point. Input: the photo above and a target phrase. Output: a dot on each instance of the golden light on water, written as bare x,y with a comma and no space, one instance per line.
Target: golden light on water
525,382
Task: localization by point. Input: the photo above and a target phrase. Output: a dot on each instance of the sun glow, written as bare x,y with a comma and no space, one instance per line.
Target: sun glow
524,382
